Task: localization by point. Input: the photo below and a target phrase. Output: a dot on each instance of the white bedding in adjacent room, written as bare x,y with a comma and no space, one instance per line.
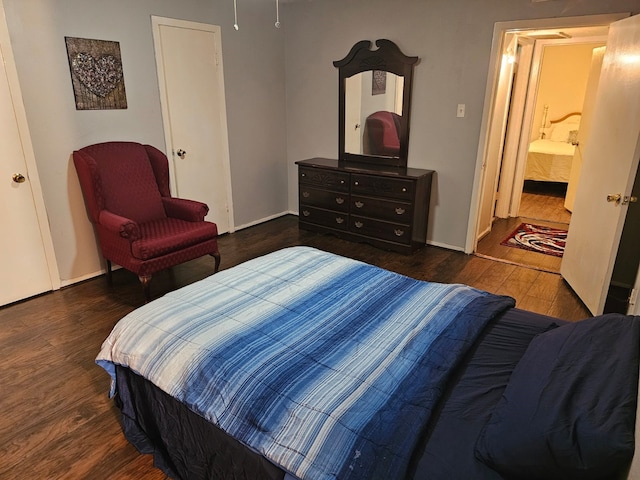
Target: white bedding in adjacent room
549,158
549,161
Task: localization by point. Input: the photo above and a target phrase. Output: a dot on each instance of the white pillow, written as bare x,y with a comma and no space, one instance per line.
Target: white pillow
561,131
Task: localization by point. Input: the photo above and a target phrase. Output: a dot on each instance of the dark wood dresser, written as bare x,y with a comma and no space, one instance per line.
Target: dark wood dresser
384,206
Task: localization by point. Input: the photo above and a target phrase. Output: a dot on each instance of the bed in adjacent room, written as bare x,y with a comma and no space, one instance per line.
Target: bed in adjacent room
550,157
304,364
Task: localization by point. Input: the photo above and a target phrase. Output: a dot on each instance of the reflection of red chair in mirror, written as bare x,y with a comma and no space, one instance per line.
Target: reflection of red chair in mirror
380,136
139,225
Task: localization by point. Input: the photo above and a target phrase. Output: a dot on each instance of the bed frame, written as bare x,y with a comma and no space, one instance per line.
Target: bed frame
550,157
477,436
553,122
545,113
253,461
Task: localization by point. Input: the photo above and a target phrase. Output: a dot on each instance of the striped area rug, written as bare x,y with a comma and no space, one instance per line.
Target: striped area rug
537,238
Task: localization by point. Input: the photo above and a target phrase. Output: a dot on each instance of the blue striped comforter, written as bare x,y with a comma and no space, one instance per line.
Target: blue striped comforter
328,367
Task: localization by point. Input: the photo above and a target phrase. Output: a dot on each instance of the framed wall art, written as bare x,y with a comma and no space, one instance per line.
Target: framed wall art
96,74
378,82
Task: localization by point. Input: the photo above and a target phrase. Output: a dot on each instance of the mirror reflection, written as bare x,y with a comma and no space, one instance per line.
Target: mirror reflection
373,111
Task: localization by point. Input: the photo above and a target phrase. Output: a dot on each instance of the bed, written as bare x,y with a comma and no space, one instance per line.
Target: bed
549,157
304,364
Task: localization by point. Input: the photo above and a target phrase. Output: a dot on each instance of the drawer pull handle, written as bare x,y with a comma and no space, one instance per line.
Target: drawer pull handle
306,194
404,189
356,183
359,204
339,220
359,224
400,211
303,174
398,232
339,200
341,182
306,213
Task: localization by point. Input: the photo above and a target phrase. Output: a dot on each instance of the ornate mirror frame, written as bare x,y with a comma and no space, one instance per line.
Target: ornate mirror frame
388,58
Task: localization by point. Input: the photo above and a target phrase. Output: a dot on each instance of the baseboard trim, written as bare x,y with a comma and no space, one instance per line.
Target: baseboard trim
264,219
445,245
88,276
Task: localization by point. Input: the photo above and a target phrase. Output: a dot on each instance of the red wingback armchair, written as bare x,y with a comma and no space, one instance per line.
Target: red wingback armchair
139,225
381,135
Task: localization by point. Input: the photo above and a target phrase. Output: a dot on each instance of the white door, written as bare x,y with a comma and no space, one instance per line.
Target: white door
189,62
493,156
609,168
516,135
24,266
585,126
353,121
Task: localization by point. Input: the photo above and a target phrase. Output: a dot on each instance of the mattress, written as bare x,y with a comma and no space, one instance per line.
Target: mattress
442,381
319,362
549,161
471,395
185,445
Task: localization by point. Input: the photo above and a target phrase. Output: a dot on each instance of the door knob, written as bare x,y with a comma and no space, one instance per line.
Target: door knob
614,198
629,199
18,178
181,153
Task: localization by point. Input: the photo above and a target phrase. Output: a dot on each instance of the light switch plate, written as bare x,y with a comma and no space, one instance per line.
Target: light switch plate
460,111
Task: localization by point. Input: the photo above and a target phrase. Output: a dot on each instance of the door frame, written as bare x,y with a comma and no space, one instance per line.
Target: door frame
516,184
495,147
156,22
497,46
634,297
27,148
513,136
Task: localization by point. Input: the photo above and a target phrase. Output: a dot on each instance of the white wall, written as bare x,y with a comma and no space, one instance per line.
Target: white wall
281,93
453,41
254,80
563,81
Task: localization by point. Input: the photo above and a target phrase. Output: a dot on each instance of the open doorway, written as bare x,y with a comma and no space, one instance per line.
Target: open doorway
604,195
532,138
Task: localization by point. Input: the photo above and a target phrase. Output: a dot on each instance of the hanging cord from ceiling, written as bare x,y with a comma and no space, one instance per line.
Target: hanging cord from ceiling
235,15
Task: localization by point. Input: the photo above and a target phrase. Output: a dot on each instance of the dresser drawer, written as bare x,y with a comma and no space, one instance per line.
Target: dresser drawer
327,218
380,208
324,198
382,186
337,181
392,232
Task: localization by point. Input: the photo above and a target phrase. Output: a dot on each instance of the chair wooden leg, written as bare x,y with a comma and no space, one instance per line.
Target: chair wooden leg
109,276
145,280
217,258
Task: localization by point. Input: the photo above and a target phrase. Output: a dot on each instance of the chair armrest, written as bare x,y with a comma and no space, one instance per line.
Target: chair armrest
124,227
189,210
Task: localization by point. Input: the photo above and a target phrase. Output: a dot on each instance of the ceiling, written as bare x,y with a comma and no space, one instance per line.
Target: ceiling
574,32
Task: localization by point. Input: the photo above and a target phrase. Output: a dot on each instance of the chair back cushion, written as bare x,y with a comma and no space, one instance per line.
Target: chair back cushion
381,134
160,166
124,180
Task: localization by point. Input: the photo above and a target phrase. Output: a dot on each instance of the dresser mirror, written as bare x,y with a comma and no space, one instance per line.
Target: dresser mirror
374,104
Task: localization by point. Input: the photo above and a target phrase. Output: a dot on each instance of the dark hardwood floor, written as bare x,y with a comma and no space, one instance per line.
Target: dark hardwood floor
542,204
57,420
544,201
